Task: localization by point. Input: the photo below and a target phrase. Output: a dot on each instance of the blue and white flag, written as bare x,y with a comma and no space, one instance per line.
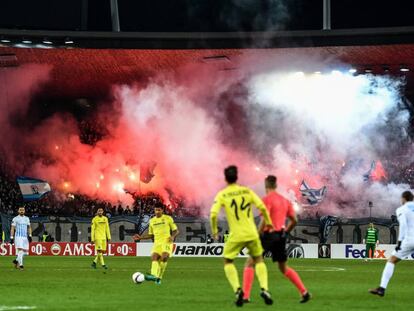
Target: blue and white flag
313,196
367,175
32,189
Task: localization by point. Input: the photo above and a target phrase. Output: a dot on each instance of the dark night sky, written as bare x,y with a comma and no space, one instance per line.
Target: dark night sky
204,15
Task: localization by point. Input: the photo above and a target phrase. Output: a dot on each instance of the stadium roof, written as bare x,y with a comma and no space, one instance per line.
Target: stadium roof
81,73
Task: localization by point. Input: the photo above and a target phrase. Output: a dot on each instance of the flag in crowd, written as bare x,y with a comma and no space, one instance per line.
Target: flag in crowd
32,189
313,196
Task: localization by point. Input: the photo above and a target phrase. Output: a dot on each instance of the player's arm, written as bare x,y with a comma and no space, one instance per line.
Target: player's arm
93,230
29,230
174,230
214,212
366,237
261,225
403,229
146,236
173,235
12,230
293,221
107,230
262,208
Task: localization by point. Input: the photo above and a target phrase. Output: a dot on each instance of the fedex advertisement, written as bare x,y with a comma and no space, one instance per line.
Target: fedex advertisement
357,251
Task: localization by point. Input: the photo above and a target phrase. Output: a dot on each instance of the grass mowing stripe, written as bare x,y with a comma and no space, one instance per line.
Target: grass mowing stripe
68,283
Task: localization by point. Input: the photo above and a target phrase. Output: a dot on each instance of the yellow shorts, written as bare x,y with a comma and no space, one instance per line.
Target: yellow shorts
160,248
232,249
100,245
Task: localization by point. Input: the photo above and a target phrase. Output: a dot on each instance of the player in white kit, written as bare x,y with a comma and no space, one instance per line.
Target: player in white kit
21,236
405,246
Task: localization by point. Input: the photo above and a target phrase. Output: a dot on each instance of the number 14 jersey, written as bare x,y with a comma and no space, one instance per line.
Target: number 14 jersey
237,201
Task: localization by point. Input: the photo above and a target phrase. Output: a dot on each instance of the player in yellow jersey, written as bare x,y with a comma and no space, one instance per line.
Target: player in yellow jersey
237,201
100,235
163,231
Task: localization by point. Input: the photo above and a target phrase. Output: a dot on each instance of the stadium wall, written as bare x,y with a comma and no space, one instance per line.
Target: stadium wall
77,229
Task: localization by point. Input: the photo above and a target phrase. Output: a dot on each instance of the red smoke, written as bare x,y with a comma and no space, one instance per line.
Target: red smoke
160,129
379,173
194,122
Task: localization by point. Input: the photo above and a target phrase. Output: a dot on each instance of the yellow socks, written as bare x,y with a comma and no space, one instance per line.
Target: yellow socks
163,265
261,273
96,258
155,268
231,274
101,259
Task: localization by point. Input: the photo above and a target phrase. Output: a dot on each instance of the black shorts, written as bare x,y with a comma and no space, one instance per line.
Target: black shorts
274,244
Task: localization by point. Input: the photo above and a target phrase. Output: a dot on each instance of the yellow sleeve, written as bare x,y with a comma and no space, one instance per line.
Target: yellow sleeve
215,210
261,207
93,230
150,230
172,224
108,231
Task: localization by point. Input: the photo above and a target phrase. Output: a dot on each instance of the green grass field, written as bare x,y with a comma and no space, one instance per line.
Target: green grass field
68,283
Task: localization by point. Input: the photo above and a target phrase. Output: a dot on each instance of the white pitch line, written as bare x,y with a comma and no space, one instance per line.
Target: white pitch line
4,308
300,269
323,269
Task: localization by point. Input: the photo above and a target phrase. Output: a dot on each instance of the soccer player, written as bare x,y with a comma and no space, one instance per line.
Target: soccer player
100,235
20,236
371,241
279,209
237,202
405,245
163,231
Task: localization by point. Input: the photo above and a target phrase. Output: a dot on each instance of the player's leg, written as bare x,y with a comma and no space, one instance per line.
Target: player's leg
25,252
166,253
230,252
101,259
369,251
16,260
155,263
366,251
21,244
279,255
255,251
98,248
163,265
19,257
295,279
101,254
386,276
95,261
248,274
262,276
248,278
372,248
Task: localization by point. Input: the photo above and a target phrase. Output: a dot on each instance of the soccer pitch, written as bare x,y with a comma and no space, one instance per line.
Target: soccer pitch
68,283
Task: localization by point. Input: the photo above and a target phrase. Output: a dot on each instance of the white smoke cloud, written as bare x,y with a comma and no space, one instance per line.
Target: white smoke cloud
319,123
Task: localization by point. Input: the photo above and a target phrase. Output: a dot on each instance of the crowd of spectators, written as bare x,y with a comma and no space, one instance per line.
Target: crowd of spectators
399,172
90,132
58,204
